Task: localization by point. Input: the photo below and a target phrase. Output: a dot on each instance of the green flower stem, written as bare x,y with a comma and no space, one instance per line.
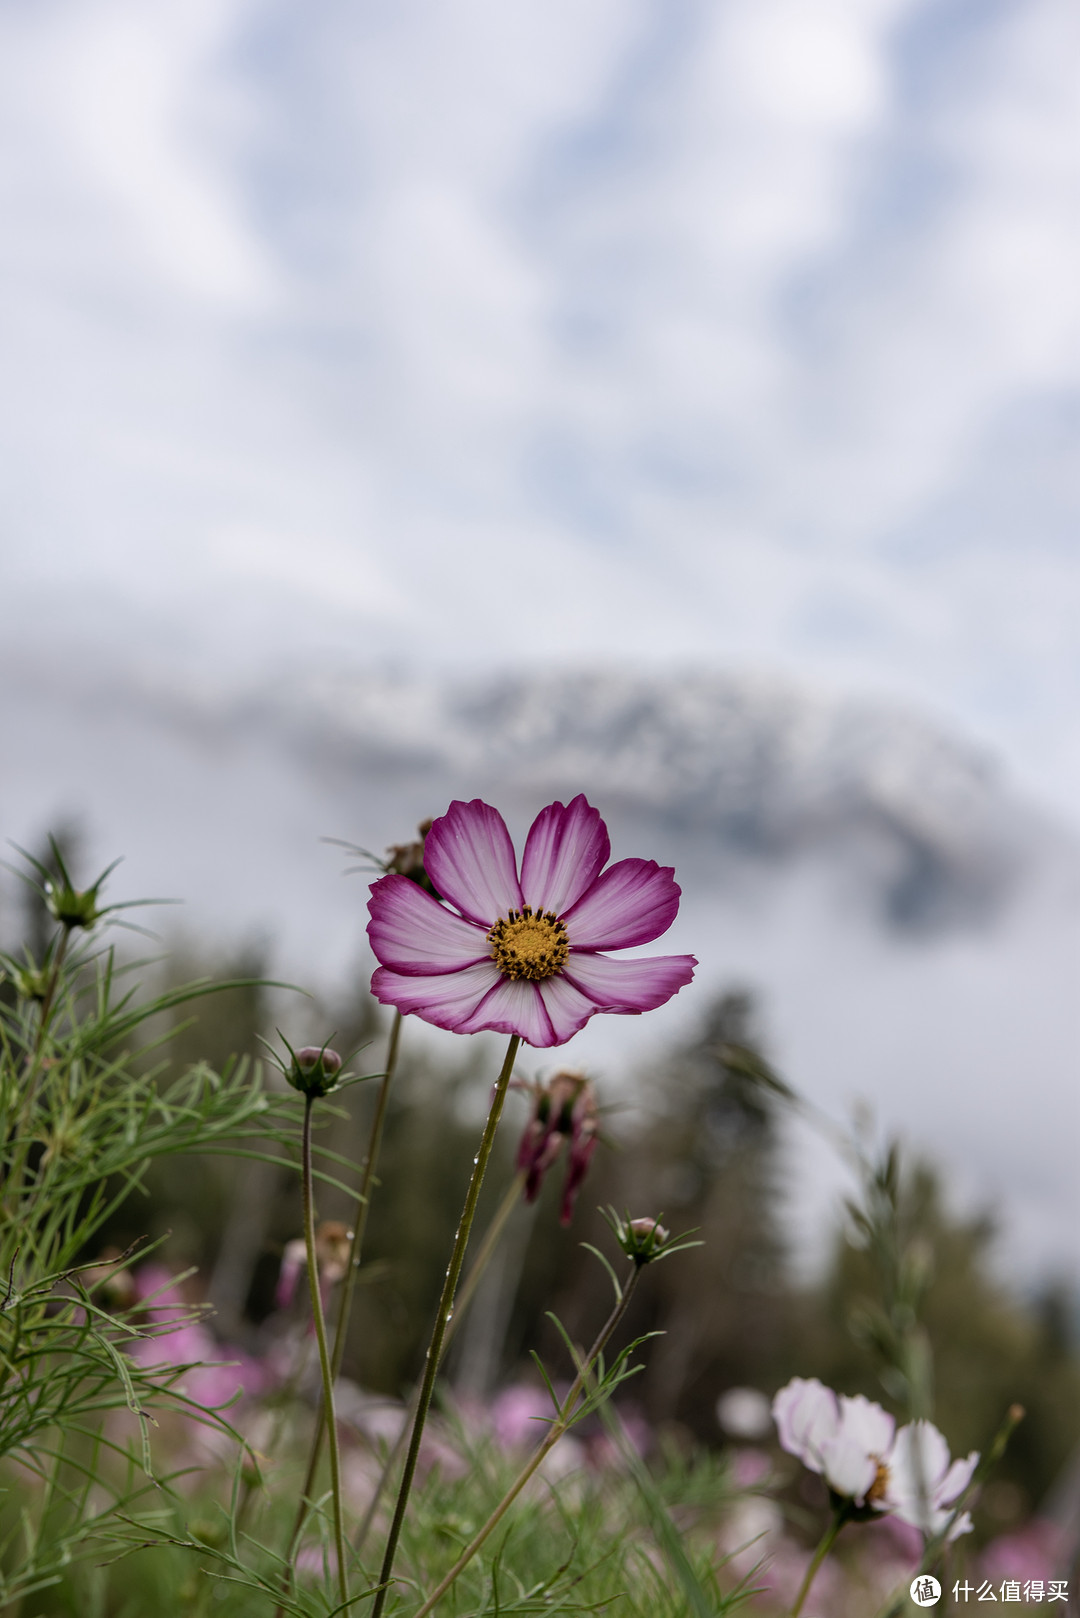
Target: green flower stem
484,1253
324,1353
363,1199
825,1545
465,1297
937,1544
558,1427
50,995
442,1318
363,1196
32,1073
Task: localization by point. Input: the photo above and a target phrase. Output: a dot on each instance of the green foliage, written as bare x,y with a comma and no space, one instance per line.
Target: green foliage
85,1111
582,1544
123,1114
910,1308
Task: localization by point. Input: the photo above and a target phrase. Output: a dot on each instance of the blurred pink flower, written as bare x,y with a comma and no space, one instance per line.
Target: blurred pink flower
784,1575
156,1287
332,1248
318,1559
1032,1552
436,1451
293,1261
750,1467
217,1372
520,1415
896,1540
521,956
606,1453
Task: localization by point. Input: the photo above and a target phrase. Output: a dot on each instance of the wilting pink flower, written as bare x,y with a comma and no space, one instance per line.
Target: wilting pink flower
563,1109
293,1260
521,955
332,1247
855,1447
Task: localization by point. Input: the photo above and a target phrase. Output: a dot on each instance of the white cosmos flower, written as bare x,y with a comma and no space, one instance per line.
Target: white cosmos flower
921,1487
855,1447
844,1439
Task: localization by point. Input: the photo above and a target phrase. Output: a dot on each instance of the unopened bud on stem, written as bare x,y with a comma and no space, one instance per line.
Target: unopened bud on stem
407,859
641,1239
314,1070
70,907
31,982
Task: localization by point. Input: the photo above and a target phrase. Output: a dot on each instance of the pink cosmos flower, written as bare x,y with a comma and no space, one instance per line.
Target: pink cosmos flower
521,954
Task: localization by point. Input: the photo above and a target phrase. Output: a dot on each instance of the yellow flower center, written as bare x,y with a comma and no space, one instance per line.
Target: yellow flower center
877,1489
529,944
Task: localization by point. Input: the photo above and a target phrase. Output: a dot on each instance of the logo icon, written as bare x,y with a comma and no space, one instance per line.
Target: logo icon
925,1590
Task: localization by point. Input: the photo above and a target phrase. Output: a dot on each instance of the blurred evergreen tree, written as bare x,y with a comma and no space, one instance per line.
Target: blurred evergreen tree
703,1158
432,1129
712,1162
194,1199
989,1349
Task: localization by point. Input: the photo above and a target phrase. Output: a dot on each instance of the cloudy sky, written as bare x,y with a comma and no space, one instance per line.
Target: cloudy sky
742,332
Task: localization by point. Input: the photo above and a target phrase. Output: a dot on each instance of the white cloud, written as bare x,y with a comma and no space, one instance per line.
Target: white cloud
122,113
664,326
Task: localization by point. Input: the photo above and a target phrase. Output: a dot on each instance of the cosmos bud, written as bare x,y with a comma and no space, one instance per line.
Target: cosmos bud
31,982
314,1070
641,1239
407,859
70,907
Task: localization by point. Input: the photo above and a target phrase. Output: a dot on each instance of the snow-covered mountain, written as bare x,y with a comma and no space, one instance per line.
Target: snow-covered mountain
755,767
911,925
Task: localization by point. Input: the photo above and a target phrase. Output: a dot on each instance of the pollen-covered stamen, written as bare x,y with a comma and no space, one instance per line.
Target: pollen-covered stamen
529,943
876,1491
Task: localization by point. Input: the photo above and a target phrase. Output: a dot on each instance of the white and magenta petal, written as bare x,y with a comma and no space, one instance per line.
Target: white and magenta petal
411,933
629,986
566,849
567,1006
447,1000
470,858
513,1006
632,903
435,962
